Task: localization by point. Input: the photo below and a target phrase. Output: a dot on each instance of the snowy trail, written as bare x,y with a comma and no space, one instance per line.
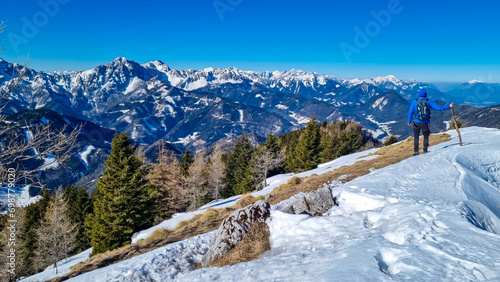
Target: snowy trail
433,217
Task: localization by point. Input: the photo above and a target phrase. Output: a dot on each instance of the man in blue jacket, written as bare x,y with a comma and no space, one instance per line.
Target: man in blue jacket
419,114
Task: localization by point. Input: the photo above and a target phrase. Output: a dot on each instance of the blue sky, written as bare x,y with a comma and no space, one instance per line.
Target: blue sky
412,39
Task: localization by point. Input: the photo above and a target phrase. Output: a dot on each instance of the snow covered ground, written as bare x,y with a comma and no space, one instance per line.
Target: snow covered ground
433,217
63,267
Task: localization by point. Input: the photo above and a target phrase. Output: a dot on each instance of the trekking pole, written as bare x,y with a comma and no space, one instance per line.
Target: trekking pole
456,126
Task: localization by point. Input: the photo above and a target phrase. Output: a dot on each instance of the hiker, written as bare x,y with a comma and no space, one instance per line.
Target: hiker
420,115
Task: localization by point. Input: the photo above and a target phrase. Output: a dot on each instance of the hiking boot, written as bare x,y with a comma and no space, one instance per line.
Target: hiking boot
425,151
415,154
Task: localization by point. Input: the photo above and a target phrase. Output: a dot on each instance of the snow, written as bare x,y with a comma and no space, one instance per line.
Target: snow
63,267
162,264
190,138
85,154
383,127
282,107
24,199
49,162
241,116
300,119
380,103
432,217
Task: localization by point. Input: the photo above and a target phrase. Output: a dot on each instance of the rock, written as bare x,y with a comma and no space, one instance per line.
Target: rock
313,203
234,227
299,206
320,201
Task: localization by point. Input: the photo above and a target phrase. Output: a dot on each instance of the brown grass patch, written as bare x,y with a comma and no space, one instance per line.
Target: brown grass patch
252,245
388,155
208,221
294,180
246,200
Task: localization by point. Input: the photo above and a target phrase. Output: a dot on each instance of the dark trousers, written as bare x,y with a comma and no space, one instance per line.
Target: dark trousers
417,127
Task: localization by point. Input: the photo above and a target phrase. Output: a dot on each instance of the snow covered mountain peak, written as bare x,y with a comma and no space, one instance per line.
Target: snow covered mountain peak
474,81
157,65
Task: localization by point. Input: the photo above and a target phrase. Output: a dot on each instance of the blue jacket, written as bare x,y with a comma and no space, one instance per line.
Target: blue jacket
432,105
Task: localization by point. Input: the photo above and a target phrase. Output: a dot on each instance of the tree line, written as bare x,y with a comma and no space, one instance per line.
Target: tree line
135,193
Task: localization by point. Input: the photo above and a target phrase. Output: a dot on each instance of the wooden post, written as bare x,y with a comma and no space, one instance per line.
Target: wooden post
456,126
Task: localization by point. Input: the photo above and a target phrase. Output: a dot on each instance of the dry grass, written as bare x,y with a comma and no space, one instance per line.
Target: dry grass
388,155
253,244
294,180
208,221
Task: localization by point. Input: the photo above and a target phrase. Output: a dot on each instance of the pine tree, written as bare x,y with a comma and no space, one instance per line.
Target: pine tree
57,233
308,149
242,172
124,202
187,160
80,205
27,240
272,144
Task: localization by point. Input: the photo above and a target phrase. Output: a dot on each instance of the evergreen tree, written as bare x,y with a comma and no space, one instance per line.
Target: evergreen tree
243,171
393,139
124,202
187,161
272,144
308,149
238,171
27,240
329,144
79,205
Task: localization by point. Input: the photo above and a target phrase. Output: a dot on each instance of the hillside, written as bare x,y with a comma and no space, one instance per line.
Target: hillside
433,216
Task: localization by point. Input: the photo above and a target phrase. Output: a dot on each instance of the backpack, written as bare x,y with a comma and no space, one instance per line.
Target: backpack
423,112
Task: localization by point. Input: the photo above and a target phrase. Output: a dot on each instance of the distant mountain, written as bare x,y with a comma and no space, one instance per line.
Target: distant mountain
196,108
87,158
476,93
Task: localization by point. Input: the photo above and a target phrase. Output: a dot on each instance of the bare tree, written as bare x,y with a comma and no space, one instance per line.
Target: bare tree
30,142
56,234
197,181
216,171
166,176
265,162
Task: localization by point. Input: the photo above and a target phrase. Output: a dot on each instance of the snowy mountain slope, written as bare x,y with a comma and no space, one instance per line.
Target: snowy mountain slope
153,101
431,217
63,267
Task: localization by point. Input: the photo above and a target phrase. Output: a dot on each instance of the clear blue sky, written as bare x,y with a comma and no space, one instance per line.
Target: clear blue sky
426,40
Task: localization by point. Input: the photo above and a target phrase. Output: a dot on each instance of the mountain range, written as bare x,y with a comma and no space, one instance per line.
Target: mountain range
196,108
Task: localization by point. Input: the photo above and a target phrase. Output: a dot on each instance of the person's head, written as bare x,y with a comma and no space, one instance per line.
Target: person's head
422,93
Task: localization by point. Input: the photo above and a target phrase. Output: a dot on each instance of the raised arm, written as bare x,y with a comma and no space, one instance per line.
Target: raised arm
438,107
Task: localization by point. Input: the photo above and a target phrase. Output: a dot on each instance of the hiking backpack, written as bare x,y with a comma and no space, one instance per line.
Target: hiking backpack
423,112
